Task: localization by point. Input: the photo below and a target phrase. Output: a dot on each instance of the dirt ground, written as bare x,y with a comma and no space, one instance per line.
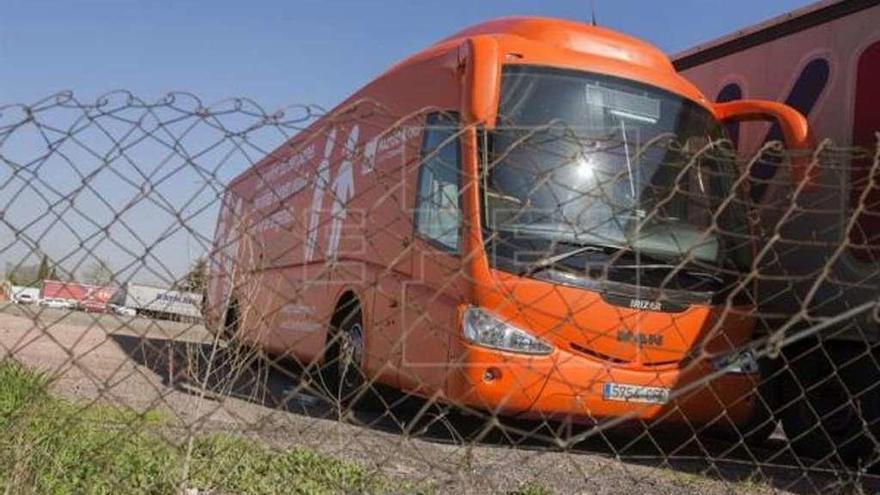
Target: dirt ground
142,364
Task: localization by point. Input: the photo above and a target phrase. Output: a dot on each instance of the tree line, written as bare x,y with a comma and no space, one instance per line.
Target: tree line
97,272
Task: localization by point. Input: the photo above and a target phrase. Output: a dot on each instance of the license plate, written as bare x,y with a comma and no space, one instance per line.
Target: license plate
635,393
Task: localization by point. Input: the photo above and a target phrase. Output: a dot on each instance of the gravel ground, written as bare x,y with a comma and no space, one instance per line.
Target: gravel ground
142,364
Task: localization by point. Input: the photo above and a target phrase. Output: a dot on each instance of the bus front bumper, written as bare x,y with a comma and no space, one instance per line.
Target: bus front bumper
568,386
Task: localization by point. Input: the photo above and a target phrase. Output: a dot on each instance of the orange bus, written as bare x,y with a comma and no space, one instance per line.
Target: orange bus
492,224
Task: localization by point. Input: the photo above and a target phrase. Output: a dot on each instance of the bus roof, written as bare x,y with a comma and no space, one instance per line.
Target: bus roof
569,35
574,36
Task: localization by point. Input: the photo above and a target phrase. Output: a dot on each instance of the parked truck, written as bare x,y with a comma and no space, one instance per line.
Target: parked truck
159,302
411,237
88,297
821,266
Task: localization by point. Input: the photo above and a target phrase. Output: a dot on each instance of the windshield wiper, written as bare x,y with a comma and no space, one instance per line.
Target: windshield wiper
543,263
658,263
653,262
700,274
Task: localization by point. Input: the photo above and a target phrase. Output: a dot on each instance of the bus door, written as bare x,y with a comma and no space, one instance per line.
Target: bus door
437,285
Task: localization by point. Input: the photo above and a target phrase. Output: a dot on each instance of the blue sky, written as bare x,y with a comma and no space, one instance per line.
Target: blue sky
275,52
294,51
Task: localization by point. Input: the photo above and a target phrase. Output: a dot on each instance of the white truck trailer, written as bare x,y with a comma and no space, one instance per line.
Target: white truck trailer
161,303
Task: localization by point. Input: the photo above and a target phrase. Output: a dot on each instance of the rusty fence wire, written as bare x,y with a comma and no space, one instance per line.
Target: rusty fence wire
221,299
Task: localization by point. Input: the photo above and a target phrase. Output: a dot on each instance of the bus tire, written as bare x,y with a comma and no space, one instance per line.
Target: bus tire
766,402
762,423
834,402
344,381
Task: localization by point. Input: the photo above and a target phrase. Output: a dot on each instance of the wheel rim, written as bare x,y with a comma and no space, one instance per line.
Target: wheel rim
350,353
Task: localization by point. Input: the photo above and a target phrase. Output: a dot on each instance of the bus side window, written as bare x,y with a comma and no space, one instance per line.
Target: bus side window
438,208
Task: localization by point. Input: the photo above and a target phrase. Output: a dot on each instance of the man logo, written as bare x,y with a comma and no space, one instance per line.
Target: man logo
640,339
645,304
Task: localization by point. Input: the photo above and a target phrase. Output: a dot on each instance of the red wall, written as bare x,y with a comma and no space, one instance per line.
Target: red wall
866,121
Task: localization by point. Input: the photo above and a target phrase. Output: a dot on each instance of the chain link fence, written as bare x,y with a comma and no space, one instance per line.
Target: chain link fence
221,299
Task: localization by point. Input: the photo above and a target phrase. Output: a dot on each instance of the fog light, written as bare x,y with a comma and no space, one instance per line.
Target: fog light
491,374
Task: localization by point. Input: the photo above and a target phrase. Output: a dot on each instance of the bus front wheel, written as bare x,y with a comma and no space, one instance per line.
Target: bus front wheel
342,373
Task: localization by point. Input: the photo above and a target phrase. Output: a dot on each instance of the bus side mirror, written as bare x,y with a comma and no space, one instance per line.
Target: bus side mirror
795,130
482,79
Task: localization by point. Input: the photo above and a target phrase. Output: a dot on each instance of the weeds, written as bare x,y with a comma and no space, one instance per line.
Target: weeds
53,446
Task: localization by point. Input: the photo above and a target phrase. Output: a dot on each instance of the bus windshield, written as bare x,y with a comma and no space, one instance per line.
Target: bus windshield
592,160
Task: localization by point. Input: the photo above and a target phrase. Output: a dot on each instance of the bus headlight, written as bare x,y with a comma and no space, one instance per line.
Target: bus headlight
485,329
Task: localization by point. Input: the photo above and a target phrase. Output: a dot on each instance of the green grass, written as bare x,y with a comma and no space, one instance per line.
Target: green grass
53,446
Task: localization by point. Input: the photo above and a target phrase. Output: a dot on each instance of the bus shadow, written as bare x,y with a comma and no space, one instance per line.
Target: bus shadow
280,384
